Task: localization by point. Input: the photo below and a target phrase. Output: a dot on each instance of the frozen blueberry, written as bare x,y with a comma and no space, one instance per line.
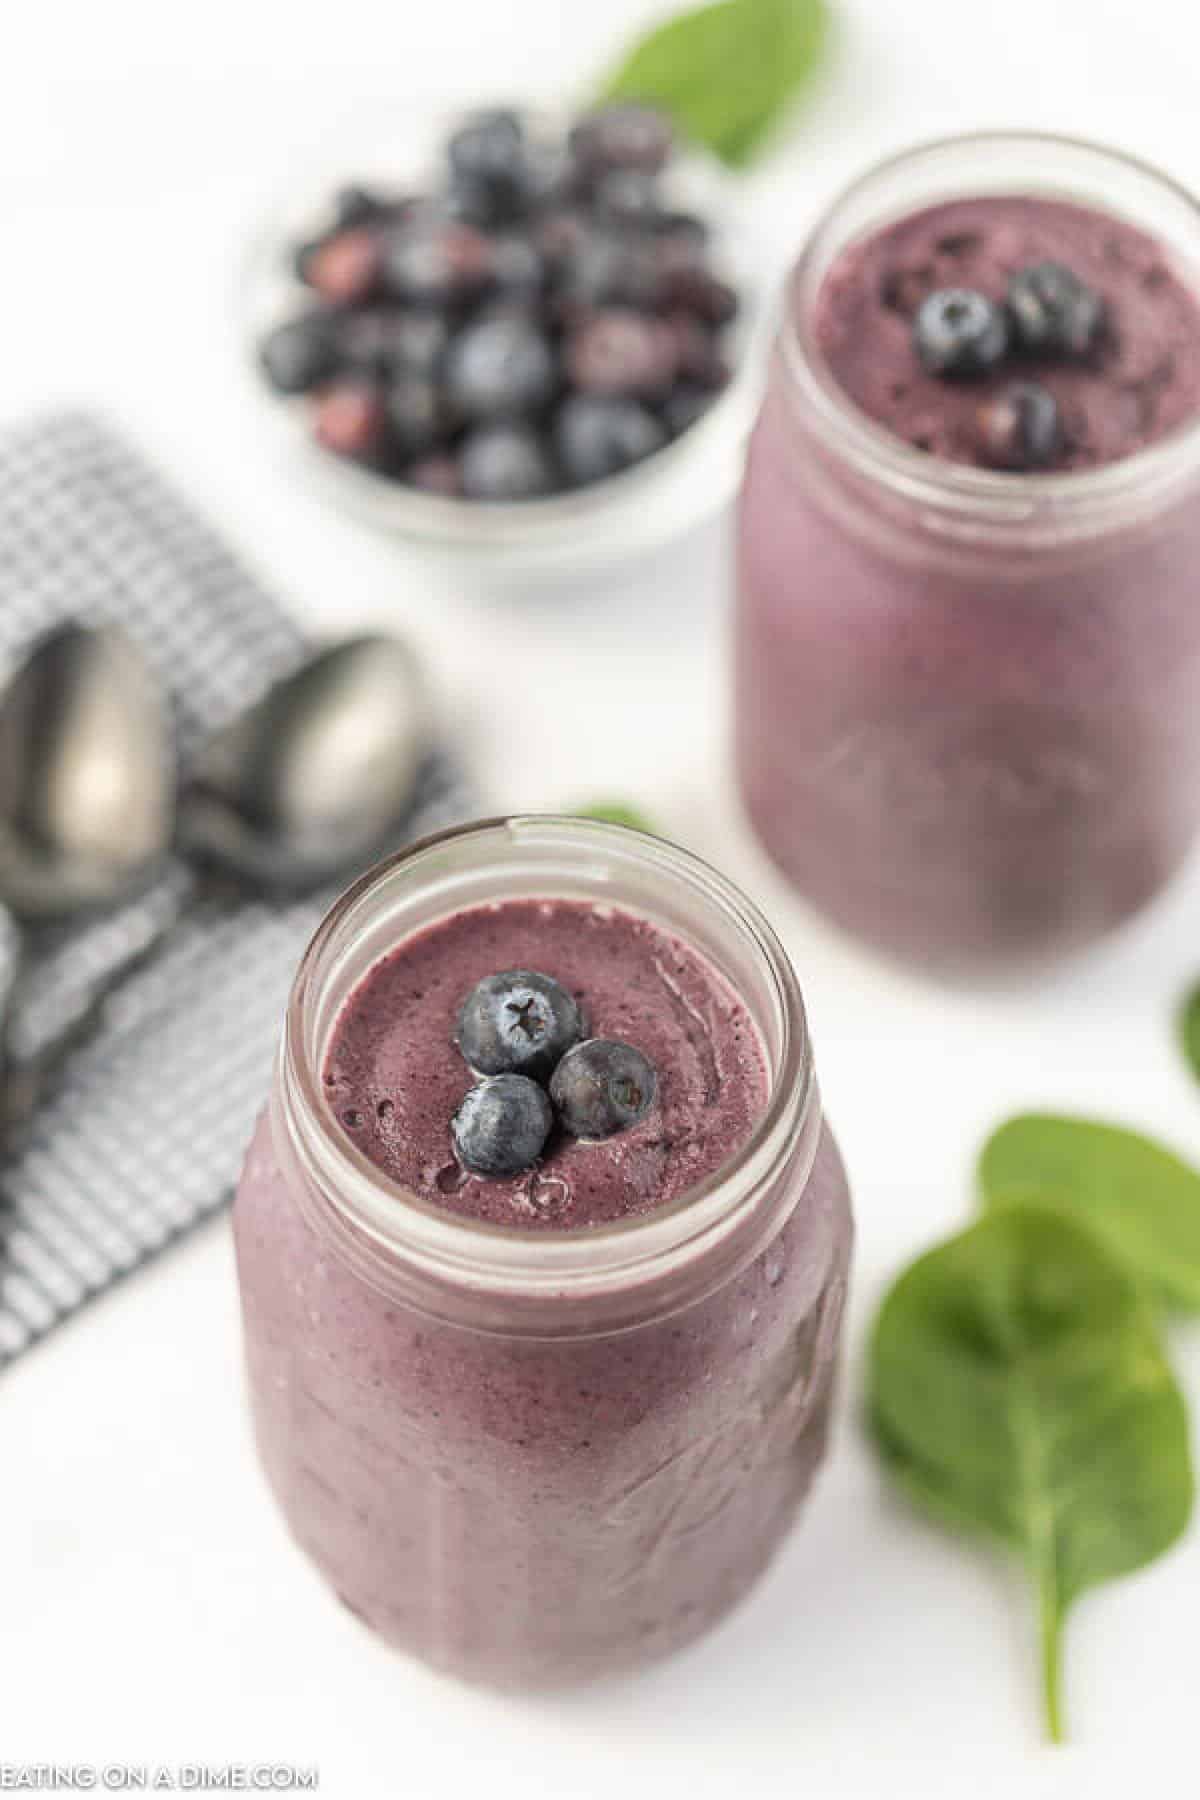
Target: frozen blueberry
505,462
518,1022
346,267
518,266
438,474
298,355
502,1125
601,1087
684,405
597,436
607,269
1054,313
960,333
416,414
357,205
695,289
628,197
489,153
623,136
618,351
350,419
436,262
1019,427
387,341
697,351
501,366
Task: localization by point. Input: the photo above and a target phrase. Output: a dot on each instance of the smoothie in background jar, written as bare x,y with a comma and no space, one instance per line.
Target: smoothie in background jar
542,1426
968,695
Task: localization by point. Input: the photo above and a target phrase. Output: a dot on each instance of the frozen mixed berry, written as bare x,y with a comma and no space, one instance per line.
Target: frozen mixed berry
1019,428
299,354
601,1087
960,333
501,367
619,351
1054,313
624,137
540,318
505,462
350,419
502,1125
597,437
518,1021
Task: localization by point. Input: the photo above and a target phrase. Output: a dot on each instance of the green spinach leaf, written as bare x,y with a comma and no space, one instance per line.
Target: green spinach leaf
1137,1196
1189,1029
618,812
726,72
1018,1388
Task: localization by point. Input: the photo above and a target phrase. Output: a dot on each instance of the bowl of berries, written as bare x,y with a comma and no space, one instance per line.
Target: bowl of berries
534,337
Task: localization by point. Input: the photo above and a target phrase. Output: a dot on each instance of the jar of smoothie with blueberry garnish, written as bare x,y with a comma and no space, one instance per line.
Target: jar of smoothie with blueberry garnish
543,1248
968,637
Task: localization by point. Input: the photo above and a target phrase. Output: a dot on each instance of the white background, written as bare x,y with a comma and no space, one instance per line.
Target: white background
150,1606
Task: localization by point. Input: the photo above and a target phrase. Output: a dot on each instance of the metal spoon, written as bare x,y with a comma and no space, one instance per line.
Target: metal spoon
86,775
311,781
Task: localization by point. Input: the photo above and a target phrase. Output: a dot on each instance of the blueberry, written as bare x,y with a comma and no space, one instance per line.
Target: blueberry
1019,427
602,1087
488,153
387,341
623,136
618,351
1054,313
696,290
628,197
416,414
501,366
502,1125
518,266
608,269
357,205
505,462
298,355
597,437
438,474
436,262
560,234
350,419
697,351
518,1022
684,405
959,333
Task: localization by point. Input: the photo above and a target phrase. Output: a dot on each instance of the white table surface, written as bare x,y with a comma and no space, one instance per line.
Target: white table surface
151,1609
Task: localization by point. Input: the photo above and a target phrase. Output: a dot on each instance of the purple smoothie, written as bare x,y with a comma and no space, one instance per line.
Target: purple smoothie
968,703
395,1076
515,1510
1142,383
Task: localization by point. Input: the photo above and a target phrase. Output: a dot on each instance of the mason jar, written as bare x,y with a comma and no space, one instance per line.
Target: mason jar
531,1458
967,702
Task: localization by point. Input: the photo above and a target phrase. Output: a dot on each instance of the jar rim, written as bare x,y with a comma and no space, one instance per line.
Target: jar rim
392,1236
1067,504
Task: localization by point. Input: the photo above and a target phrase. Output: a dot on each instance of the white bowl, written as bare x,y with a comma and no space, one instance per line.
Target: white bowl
641,508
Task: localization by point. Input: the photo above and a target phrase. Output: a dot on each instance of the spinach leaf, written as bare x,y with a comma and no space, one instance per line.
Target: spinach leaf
1189,1029
618,812
726,72
1139,1198
1018,1388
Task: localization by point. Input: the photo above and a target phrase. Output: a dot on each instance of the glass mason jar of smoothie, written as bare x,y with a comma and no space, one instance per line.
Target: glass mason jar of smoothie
968,695
541,1428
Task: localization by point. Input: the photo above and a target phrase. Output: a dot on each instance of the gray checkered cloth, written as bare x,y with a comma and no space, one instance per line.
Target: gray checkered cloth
142,1136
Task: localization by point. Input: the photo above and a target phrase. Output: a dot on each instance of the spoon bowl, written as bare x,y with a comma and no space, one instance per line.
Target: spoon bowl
87,774
309,782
